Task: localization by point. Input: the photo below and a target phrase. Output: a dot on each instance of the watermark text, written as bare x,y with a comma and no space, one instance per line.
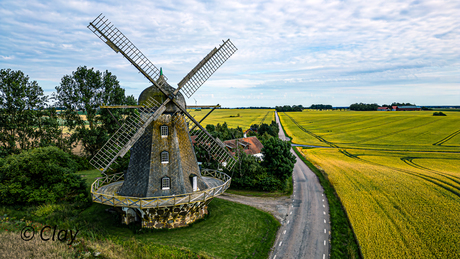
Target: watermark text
48,233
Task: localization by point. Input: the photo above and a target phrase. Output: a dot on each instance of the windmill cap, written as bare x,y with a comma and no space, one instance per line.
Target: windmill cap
156,94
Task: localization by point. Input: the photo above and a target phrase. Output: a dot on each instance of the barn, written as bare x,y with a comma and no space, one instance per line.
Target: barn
408,108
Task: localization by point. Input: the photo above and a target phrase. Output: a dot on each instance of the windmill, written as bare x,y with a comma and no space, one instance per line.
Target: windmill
163,186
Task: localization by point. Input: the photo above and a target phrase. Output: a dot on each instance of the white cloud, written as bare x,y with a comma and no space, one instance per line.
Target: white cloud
7,57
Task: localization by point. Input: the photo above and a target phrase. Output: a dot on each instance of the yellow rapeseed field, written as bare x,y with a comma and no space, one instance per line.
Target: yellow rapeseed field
401,205
396,173
246,117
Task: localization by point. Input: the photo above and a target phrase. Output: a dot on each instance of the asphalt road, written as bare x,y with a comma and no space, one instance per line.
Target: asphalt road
306,231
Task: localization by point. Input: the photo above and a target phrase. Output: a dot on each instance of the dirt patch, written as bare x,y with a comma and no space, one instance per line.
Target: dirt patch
278,207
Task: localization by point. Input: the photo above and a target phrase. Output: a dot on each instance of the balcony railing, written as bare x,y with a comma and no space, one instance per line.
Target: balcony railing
160,201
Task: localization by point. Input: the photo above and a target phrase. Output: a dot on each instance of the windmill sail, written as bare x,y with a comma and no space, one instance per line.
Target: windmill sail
123,139
131,131
213,146
207,66
120,43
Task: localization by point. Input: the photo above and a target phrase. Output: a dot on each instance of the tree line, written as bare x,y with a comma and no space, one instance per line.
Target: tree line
321,107
299,108
289,108
374,106
27,120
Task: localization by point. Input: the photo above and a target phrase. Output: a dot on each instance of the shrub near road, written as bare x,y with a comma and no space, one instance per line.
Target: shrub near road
396,173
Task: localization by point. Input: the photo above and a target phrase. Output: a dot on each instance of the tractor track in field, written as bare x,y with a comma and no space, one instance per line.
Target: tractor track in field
442,184
346,153
444,140
409,161
360,186
321,139
263,119
430,179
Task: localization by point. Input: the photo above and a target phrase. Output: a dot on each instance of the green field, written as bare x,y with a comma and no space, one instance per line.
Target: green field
396,173
246,118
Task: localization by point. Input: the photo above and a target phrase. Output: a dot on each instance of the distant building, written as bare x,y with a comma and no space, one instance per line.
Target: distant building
249,130
382,109
251,146
408,108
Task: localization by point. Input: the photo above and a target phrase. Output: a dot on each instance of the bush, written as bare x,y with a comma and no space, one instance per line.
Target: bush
278,159
269,184
439,114
41,175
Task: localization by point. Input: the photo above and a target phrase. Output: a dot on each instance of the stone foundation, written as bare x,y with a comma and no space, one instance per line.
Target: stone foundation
166,217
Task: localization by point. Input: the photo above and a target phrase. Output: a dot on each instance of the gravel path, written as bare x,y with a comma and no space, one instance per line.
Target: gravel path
278,207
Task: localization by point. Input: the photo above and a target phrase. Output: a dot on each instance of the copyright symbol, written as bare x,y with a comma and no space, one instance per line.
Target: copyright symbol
25,233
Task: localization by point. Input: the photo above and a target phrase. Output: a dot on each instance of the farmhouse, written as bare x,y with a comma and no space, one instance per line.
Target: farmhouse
250,145
383,109
406,108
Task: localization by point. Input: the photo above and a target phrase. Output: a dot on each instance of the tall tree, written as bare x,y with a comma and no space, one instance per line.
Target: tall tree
85,91
21,105
278,159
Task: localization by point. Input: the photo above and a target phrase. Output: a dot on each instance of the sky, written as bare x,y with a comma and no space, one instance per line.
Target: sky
289,52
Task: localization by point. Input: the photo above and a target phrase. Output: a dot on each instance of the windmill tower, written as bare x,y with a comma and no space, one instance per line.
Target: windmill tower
163,186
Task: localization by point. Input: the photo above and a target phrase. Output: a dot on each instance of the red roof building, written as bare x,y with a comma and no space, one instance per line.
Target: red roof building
250,145
406,108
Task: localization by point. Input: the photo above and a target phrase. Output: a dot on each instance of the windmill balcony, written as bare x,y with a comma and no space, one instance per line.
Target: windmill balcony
162,211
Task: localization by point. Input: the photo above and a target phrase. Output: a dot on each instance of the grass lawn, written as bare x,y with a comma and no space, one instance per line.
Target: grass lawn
231,230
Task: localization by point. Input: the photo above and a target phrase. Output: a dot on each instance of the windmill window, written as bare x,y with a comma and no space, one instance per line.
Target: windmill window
164,157
164,131
165,183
